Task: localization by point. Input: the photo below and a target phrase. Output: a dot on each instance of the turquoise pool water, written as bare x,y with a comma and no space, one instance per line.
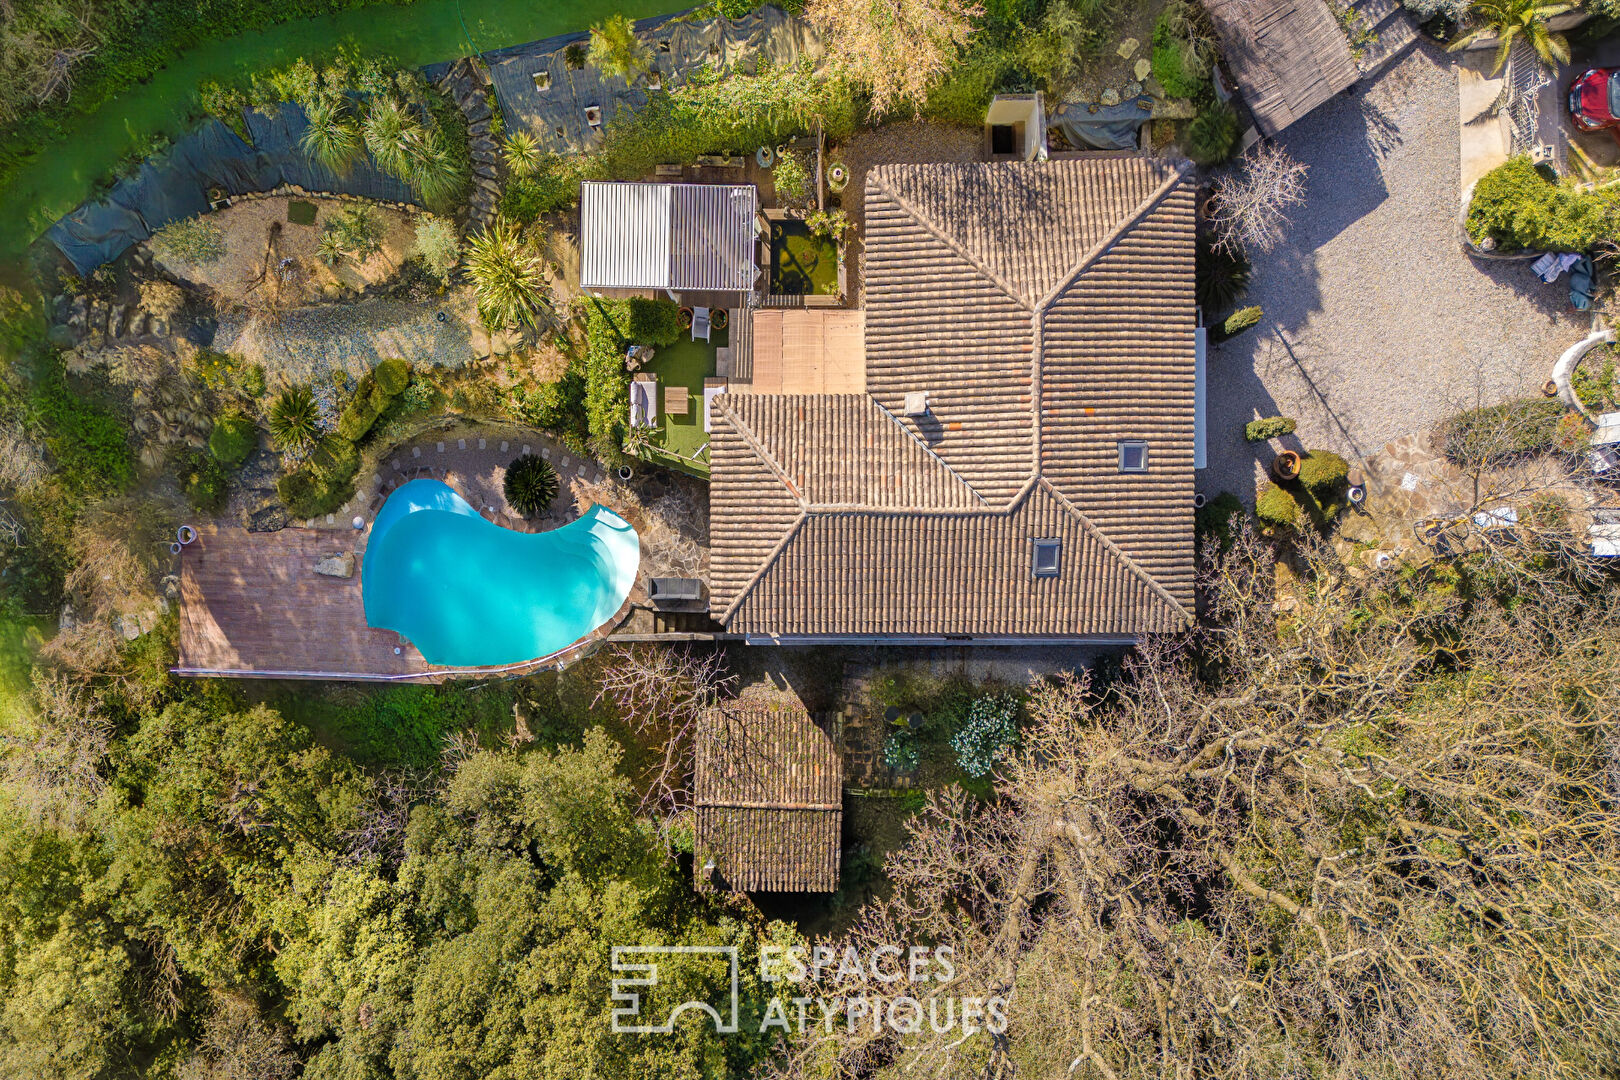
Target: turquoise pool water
468,593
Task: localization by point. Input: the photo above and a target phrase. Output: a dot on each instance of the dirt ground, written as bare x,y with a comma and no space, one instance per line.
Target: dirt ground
258,235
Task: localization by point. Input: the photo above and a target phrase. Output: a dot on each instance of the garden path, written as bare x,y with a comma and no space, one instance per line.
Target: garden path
1376,323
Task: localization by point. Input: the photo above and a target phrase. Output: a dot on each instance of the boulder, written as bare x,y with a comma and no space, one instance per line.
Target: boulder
1109,96
1128,47
1143,68
340,565
272,518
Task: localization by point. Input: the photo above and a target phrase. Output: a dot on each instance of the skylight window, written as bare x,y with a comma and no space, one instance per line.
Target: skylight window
1045,557
1133,457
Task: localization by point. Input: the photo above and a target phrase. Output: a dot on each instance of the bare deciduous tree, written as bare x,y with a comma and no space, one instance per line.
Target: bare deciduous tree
55,775
1379,837
894,49
1252,204
238,1043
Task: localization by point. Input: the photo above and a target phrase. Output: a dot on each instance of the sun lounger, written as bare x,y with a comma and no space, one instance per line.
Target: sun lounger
643,400
712,388
700,323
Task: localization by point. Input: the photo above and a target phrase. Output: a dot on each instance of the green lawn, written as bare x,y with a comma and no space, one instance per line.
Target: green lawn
801,262
686,363
62,175
19,640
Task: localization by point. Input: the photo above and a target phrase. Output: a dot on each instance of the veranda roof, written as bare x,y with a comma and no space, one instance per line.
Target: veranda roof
667,236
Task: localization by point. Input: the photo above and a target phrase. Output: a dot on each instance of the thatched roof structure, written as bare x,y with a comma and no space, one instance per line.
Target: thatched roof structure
1046,312
1288,56
769,795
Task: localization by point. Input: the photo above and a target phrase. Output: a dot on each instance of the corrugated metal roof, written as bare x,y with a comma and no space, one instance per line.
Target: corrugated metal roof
625,236
714,236
667,236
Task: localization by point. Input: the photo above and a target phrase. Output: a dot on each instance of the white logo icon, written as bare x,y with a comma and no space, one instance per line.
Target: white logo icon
628,1002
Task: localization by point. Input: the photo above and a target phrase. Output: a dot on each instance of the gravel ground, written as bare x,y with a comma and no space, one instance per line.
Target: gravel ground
1376,324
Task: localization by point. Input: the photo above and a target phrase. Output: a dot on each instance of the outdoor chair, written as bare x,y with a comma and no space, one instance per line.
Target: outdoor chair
700,323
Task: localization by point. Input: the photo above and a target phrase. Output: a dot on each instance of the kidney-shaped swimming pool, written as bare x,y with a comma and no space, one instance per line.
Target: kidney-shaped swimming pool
468,593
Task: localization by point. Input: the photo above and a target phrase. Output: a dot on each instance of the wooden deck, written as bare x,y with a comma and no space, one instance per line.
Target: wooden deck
803,351
252,606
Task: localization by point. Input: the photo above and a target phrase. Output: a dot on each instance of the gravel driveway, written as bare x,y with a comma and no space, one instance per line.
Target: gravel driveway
1376,324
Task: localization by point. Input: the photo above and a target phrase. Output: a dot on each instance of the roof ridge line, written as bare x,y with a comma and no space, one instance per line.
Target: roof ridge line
754,578
1147,206
895,420
746,432
1115,550
939,234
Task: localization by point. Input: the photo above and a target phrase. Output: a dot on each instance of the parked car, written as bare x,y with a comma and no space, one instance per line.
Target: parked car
1594,100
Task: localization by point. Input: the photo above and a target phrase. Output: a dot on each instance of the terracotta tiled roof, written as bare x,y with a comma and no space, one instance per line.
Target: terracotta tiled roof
1047,310
769,797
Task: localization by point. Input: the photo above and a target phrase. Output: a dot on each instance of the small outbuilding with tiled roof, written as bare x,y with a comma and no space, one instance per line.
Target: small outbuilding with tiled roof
1020,466
768,791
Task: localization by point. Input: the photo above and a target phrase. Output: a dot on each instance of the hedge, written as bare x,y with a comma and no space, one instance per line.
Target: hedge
611,326
393,376
1270,427
1521,209
323,483
377,390
1497,434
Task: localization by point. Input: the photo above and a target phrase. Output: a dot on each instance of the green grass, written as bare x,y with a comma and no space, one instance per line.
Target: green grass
65,172
300,212
19,640
802,264
686,363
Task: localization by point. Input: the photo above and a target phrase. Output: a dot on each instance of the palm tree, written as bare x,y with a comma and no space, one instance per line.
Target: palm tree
295,421
522,153
331,137
389,128
1510,20
616,49
531,484
507,280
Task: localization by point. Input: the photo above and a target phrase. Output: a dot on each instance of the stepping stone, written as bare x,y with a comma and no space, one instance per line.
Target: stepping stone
545,452
503,446
461,444
481,444
331,519
566,461
441,447
1143,68
1128,47
525,448
416,451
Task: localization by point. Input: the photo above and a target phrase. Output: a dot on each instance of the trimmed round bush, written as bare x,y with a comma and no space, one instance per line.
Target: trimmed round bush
1269,427
233,439
1276,506
1323,472
393,376
531,484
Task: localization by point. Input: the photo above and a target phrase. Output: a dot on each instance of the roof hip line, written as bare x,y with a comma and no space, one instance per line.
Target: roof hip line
1114,549
927,224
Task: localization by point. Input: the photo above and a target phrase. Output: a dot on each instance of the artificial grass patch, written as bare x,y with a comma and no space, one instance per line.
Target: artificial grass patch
300,212
686,363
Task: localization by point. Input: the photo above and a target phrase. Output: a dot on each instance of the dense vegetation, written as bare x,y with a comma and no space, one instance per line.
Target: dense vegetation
1519,208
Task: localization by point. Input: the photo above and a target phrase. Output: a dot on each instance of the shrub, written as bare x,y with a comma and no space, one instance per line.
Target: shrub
335,459
991,728
1521,209
1222,275
1571,434
550,189
900,753
1276,506
653,322
1177,60
791,179
1215,519
357,417
355,233
294,421
438,246
1240,320
196,241
1322,472
323,483
1496,434
233,439
86,442
506,276
1270,427
393,376
531,485
1212,137
205,481
558,406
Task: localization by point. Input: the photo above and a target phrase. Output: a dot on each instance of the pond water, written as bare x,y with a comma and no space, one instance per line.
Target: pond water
426,32
802,263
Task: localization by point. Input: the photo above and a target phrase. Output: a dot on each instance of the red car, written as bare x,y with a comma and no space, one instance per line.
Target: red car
1594,100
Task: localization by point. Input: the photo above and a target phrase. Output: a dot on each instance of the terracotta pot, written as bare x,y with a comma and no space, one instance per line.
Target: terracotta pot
1285,466
686,318
1549,388
719,319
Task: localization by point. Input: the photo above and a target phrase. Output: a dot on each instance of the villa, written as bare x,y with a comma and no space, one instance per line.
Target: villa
1008,456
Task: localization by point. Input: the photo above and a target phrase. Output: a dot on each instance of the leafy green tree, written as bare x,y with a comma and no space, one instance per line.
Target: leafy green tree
616,50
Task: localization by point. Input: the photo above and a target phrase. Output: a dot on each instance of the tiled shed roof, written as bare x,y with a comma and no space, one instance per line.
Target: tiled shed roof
769,796
1047,310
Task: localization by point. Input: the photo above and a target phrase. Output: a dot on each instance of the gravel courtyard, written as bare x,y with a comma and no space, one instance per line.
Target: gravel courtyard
1376,324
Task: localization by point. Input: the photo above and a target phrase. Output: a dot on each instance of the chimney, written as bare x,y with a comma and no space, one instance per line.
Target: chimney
917,404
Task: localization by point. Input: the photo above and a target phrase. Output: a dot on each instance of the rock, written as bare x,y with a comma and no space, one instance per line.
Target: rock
271,518
341,565
1143,68
1109,96
1128,47
1133,89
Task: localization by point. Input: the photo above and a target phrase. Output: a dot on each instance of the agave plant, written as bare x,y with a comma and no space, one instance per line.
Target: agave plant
522,152
331,137
1509,21
507,280
616,50
531,484
295,421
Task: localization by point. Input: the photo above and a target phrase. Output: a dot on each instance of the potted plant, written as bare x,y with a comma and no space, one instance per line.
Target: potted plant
719,319
686,318
1285,466
837,176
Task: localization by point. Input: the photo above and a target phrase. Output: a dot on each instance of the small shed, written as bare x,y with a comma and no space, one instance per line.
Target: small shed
769,798
674,237
1288,56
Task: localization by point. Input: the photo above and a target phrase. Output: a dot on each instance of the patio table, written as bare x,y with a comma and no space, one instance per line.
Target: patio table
676,400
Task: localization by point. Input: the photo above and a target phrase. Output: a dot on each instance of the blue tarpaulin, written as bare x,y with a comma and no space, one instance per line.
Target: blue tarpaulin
175,184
